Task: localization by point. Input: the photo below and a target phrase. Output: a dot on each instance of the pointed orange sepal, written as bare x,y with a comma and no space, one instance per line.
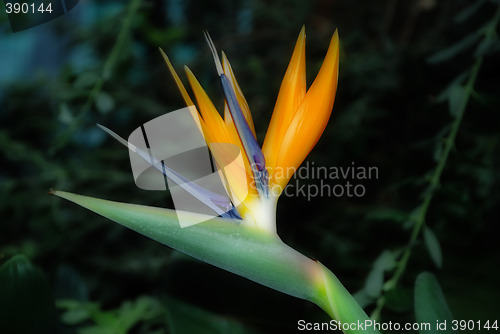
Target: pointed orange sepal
308,121
291,94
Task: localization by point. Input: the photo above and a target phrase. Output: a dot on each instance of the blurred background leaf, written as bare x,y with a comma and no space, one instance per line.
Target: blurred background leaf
431,306
392,111
26,303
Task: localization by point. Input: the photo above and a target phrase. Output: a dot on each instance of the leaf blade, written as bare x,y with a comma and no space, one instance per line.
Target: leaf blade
241,249
25,294
430,304
433,247
453,50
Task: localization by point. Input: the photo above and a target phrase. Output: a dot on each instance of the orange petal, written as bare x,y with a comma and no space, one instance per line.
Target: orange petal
231,129
235,139
177,80
233,172
312,116
214,130
228,71
290,97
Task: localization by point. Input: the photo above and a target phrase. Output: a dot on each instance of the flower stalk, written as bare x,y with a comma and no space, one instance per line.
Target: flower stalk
241,249
249,245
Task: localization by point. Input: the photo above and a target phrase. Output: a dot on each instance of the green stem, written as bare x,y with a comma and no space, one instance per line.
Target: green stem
433,186
434,182
105,75
436,175
241,249
341,306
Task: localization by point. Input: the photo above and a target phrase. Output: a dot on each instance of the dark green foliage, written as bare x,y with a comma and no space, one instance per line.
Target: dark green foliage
404,73
430,304
26,303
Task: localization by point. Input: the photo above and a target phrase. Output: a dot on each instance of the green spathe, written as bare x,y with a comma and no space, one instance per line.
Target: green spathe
26,301
241,249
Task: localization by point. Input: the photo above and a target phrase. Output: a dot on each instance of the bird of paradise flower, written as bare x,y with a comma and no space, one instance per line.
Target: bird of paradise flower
246,242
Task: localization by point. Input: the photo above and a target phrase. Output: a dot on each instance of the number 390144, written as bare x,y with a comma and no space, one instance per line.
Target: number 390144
25,8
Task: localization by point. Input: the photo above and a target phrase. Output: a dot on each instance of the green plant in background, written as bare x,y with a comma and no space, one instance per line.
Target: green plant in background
25,294
430,304
246,243
385,116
